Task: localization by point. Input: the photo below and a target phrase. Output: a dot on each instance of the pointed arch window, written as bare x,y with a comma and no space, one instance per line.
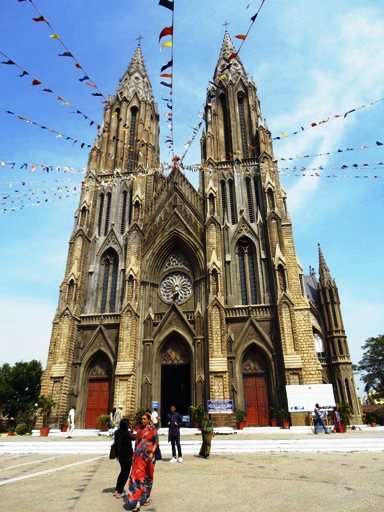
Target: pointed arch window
248,271
83,216
223,187
100,218
124,200
251,209
107,213
211,204
132,146
226,127
243,128
232,201
130,207
108,276
257,192
281,278
71,291
270,199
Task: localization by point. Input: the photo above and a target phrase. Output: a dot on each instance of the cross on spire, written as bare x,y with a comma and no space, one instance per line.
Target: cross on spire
225,24
139,39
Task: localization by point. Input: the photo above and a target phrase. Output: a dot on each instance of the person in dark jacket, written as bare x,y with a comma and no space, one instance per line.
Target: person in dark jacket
174,421
124,452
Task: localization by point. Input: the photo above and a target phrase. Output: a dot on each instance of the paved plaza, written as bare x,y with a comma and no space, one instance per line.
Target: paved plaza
248,472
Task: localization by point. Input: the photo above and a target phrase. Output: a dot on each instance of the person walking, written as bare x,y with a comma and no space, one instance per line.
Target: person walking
143,465
118,416
71,422
336,420
155,423
124,453
174,421
207,434
319,419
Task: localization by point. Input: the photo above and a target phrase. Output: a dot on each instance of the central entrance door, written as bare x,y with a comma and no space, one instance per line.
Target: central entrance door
255,389
175,378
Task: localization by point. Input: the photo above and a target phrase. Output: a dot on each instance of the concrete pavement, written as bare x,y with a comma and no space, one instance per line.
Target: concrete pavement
244,482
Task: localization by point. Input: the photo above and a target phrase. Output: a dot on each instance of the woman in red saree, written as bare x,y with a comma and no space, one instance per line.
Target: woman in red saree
143,464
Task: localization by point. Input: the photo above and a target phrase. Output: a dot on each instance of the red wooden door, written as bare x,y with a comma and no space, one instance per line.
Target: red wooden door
98,401
256,400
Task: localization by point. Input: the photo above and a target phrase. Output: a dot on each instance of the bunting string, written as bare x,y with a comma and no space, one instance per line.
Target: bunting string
50,130
284,134
41,167
37,82
86,79
166,72
299,157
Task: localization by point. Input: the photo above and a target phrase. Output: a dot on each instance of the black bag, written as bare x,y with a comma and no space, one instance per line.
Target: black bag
113,452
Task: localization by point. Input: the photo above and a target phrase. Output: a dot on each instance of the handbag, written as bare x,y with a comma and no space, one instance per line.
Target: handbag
112,451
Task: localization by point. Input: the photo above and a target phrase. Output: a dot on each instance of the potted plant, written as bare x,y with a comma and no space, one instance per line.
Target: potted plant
284,418
273,416
11,431
197,414
45,404
102,422
240,419
63,422
371,418
345,415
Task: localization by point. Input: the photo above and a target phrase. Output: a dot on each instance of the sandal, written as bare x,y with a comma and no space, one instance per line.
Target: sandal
148,502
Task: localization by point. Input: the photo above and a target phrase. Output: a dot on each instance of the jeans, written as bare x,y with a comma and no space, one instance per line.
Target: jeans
320,423
175,441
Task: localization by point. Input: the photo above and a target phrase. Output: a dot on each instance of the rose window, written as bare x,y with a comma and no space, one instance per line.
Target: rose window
176,287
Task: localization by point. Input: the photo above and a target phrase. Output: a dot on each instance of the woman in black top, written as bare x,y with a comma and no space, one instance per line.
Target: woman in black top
124,451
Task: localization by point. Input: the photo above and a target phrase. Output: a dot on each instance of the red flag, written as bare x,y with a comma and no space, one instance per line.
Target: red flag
36,82
167,31
232,56
40,18
241,36
167,75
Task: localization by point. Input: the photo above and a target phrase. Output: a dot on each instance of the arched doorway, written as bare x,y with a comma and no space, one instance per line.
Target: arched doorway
175,377
99,389
255,383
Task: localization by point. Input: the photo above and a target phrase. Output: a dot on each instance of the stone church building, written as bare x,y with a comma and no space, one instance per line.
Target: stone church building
178,295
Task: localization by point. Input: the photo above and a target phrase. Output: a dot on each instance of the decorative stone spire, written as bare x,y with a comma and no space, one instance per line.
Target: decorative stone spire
228,49
324,273
135,79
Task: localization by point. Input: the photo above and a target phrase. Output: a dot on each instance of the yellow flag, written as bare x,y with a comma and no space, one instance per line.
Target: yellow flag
54,36
167,44
284,134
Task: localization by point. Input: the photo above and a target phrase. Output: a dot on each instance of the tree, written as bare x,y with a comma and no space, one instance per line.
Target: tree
19,388
372,365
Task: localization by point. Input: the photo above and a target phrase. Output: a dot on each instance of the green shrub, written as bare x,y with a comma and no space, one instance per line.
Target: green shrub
21,429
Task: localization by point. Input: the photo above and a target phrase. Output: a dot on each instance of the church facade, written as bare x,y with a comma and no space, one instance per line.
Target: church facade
178,295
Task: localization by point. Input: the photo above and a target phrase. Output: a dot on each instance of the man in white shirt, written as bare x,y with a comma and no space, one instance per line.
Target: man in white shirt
71,422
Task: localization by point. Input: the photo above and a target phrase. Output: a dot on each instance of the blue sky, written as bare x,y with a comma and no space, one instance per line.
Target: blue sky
310,60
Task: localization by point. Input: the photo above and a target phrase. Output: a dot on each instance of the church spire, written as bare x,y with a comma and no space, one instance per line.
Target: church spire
324,273
136,79
225,64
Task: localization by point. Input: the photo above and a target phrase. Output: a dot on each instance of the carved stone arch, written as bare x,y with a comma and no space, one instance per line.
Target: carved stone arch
254,334
163,247
98,342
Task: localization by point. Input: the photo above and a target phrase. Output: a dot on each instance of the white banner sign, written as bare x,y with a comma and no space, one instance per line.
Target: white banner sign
302,398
